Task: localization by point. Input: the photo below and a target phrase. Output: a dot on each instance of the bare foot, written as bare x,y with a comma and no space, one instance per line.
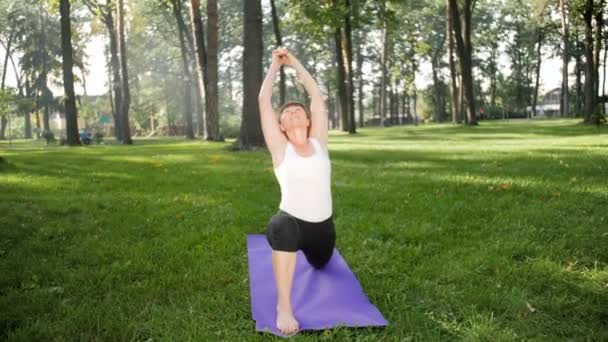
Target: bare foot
286,323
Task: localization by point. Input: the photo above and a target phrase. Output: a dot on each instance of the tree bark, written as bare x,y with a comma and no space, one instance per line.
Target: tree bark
116,81
437,112
177,12
279,39
213,117
464,48
251,131
201,60
604,77
71,113
383,82
124,73
348,62
3,118
538,64
453,91
359,58
342,89
590,96
597,47
579,88
564,105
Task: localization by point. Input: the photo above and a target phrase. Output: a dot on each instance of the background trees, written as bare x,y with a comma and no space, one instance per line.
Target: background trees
177,67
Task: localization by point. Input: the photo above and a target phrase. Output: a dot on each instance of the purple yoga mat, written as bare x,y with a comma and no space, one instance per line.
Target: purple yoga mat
320,299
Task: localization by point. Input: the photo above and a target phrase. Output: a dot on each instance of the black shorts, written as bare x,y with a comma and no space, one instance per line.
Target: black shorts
289,234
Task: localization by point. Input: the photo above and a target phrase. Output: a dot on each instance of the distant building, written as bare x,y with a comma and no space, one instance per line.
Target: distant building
549,104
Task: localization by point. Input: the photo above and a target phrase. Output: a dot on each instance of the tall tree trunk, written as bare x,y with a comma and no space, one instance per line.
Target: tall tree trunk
28,121
331,105
348,62
251,131
406,109
177,12
359,36
71,114
110,68
6,57
578,104
342,89
124,73
597,47
461,102
414,91
437,112
359,58
604,76
195,92
493,80
464,48
213,116
384,74
201,59
115,66
590,96
538,63
279,39
564,106
453,91
3,116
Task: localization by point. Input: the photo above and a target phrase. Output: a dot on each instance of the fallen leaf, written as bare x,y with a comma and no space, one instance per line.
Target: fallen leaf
530,307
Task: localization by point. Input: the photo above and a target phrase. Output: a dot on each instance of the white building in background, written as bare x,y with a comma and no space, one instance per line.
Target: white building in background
549,104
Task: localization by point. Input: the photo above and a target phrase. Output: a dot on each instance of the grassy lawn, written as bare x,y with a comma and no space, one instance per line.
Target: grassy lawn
492,233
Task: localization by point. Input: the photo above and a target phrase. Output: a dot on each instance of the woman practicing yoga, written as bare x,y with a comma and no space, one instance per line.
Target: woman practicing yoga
297,142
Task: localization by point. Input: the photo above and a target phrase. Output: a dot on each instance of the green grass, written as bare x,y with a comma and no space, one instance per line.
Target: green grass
489,233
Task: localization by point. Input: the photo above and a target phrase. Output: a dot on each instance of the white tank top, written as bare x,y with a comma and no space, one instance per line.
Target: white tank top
305,183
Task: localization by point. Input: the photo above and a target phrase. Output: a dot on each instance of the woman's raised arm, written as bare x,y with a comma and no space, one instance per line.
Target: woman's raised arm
275,139
318,112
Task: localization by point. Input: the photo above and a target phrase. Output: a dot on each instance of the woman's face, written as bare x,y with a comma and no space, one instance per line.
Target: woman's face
293,117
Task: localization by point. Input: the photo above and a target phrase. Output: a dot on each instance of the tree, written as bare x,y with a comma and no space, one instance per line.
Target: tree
213,124
279,42
124,74
71,113
564,106
251,131
464,51
198,38
177,12
590,96
453,91
105,13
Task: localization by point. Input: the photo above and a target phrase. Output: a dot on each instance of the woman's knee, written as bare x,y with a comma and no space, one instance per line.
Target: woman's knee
283,233
317,261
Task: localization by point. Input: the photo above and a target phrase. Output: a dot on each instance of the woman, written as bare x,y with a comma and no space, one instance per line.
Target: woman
298,145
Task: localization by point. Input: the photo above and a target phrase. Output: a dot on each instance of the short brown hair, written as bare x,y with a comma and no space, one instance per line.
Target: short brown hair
292,104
